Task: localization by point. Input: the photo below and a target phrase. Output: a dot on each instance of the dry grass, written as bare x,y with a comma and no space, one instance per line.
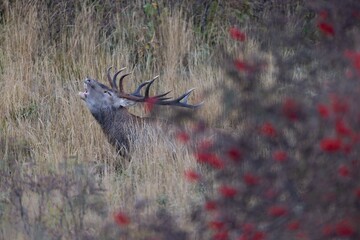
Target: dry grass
41,110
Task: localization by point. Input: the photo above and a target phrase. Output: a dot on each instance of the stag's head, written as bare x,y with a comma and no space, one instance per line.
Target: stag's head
98,96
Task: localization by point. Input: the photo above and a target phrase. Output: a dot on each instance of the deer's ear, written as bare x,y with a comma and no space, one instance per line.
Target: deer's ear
122,102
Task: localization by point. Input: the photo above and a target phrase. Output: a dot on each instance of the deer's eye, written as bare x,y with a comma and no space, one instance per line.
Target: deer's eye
107,92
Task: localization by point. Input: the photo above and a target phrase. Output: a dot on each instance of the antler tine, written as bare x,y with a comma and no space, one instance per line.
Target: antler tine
121,85
159,97
137,91
181,101
148,83
147,89
114,85
109,77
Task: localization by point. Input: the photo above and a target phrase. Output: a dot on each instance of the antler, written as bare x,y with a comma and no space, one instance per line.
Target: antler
158,99
180,101
112,80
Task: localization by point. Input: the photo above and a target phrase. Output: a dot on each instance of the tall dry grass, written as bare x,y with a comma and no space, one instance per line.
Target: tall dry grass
45,123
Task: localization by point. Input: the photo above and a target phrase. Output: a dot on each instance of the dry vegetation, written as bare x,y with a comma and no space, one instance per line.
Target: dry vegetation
60,178
44,124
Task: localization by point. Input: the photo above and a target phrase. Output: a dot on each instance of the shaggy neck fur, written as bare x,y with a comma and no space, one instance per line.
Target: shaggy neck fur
118,125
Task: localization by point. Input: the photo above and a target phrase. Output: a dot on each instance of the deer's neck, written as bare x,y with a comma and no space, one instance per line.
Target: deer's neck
106,117
118,125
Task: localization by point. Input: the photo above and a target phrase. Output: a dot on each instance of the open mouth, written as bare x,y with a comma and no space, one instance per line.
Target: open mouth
83,95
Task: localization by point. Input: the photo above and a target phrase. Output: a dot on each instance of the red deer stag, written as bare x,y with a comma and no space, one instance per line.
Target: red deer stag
109,105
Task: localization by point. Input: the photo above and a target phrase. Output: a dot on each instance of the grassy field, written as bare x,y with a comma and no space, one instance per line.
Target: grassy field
45,126
280,76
